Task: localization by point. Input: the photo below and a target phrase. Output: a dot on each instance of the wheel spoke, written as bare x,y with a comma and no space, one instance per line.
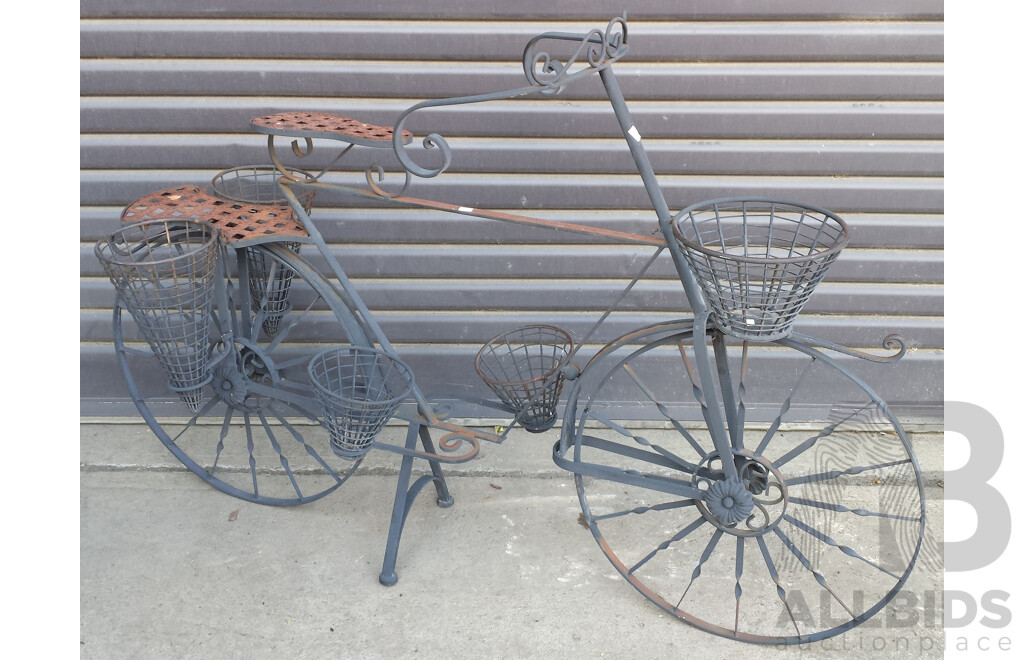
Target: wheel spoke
295,362
818,577
664,545
825,538
277,448
232,309
813,440
252,459
708,550
224,429
783,409
293,320
698,393
309,450
676,424
618,428
304,404
665,506
839,508
774,573
834,474
264,301
129,350
739,590
192,420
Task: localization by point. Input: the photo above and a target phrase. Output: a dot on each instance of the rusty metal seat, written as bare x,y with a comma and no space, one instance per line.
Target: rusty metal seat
324,125
240,224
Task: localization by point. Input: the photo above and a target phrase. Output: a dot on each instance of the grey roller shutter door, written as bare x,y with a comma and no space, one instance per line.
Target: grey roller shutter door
838,109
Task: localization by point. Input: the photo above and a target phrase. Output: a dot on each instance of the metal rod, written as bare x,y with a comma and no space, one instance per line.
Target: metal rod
367,318
719,434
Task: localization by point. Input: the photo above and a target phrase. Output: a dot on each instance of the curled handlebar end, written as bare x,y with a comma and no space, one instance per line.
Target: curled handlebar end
895,342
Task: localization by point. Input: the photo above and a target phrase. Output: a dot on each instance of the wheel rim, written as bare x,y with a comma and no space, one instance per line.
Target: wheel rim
257,435
839,519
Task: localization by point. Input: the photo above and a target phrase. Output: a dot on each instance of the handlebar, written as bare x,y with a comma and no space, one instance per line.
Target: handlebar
546,76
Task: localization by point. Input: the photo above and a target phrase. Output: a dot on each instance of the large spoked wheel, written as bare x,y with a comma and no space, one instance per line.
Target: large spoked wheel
819,531
255,434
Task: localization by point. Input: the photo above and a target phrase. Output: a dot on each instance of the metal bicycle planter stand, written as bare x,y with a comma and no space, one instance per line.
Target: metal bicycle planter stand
718,526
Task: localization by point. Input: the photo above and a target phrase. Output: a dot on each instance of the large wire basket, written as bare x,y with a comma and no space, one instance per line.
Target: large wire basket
269,281
523,367
758,260
164,272
359,388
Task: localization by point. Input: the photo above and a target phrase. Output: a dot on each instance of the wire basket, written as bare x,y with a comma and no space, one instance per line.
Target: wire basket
523,367
164,272
258,184
359,389
269,282
758,260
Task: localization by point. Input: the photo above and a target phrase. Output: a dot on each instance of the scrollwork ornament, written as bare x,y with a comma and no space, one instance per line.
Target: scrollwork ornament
377,170
451,442
601,48
432,141
892,342
598,48
762,504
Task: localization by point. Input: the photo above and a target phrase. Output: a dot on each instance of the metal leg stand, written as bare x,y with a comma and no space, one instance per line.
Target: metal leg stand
405,495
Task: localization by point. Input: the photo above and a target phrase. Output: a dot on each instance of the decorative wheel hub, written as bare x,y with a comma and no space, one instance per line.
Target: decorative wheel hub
234,376
729,501
750,505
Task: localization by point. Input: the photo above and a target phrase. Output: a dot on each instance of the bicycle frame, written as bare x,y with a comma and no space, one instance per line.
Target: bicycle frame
602,50
723,482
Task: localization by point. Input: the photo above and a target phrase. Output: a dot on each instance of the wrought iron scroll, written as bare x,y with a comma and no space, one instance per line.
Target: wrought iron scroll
303,152
600,49
546,75
892,342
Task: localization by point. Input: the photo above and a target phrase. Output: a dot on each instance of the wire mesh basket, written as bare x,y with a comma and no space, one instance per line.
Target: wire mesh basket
258,184
269,281
758,260
523,367
164,272
359,388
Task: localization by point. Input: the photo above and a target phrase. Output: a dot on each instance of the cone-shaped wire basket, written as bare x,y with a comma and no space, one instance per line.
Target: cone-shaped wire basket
164,274
269,283
758,260
359,389
523,367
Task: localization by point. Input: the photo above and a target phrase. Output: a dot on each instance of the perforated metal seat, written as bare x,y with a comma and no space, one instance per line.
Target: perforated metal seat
323,125
239,223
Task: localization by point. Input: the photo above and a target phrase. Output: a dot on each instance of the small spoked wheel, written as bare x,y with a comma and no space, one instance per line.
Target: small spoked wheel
820,523
253,429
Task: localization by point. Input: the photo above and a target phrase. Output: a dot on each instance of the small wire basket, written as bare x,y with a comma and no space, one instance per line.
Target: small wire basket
758,260
523,367
269,282
164,272
359,388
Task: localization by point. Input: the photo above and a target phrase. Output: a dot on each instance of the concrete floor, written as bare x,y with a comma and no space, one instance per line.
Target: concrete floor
171,567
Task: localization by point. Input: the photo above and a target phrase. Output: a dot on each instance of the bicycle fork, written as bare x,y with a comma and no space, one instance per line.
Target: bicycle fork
712,410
